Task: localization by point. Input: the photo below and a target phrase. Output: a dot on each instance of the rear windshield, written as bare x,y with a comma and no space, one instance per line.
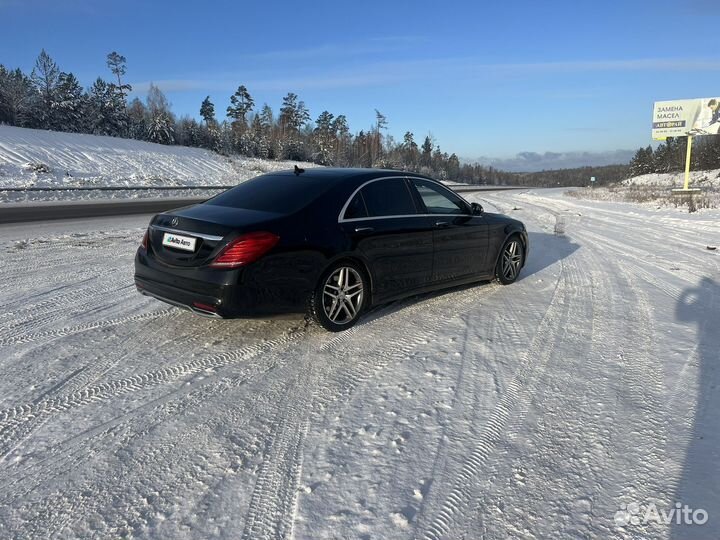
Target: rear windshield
278,194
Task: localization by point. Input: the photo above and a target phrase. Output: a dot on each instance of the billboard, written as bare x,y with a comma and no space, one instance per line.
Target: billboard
682,117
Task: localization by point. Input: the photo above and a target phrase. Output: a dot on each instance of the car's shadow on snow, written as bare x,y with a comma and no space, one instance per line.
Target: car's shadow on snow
699,485
545,250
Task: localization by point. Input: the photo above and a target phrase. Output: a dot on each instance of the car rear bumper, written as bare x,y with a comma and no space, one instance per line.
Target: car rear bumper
214,293
196,303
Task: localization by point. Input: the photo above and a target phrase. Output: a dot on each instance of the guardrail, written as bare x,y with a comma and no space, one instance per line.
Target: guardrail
113,188
457,187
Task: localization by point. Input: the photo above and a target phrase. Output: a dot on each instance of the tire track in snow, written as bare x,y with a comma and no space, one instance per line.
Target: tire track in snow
32,319
514,336
12,420
643,383
30,419
272,511
291,460
68,456
681,239
513,404
645,429
88,282
77,329
575,435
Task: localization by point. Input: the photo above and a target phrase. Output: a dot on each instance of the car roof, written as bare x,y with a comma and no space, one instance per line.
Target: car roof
341,175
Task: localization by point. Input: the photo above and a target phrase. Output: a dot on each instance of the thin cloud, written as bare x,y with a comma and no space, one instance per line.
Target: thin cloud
387,73
370,46
81,6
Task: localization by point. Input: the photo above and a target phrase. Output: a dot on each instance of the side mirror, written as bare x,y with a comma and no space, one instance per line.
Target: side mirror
476,209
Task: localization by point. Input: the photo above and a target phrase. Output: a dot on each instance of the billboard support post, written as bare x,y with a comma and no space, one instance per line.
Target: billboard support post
687,163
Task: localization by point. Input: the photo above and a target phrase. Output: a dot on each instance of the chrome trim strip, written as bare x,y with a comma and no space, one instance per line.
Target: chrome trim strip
178,231
403,216
192,309
347,203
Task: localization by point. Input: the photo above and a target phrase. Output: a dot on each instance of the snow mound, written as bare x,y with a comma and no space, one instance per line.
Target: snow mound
699,179
31,157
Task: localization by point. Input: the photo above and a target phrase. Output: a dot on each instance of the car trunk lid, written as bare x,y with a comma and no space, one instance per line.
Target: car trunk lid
194,235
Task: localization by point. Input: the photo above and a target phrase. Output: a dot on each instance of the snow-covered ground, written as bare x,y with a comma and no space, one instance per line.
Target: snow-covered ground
654,191
701,179
537,410
90,160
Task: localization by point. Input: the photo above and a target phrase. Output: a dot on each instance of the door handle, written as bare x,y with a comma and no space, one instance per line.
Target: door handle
364,229
441,223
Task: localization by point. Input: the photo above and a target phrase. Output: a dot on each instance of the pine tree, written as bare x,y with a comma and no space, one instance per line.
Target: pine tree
293,114
160,123
376,141
361,150
410,151
241,103
137,119
70,106
266,116
107,113
426,155
189,133
101,117
453,167
343,141
45,76
118,67
207,111
642,162
324,139
17,98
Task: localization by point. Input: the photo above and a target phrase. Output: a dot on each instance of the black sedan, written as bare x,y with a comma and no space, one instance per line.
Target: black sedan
327,242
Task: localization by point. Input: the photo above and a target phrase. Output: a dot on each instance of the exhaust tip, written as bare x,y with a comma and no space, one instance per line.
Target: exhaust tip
206,310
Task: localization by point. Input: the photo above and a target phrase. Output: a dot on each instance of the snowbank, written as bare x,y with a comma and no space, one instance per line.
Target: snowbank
701,179
31,157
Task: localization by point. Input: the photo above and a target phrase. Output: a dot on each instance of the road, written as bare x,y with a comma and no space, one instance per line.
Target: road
45,211
535,410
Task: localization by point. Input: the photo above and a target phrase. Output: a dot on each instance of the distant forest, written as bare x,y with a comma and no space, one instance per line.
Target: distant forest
670,156
49,98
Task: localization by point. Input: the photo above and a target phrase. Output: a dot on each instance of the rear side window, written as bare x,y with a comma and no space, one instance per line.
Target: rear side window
356,208
388,198
278,194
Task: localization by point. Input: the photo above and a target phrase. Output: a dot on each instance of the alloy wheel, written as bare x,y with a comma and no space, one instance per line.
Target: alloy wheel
511,260
343,295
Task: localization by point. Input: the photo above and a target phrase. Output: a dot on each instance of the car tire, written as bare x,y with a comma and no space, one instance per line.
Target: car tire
339,299
510,261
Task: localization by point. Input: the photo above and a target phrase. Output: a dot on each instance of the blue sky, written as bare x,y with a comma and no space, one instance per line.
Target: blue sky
485,78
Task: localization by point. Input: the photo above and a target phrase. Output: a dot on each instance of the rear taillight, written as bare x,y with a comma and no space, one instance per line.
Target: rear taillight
144,242
245,249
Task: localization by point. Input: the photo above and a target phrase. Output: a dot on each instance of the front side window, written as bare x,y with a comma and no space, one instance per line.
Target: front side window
389,197
438,200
